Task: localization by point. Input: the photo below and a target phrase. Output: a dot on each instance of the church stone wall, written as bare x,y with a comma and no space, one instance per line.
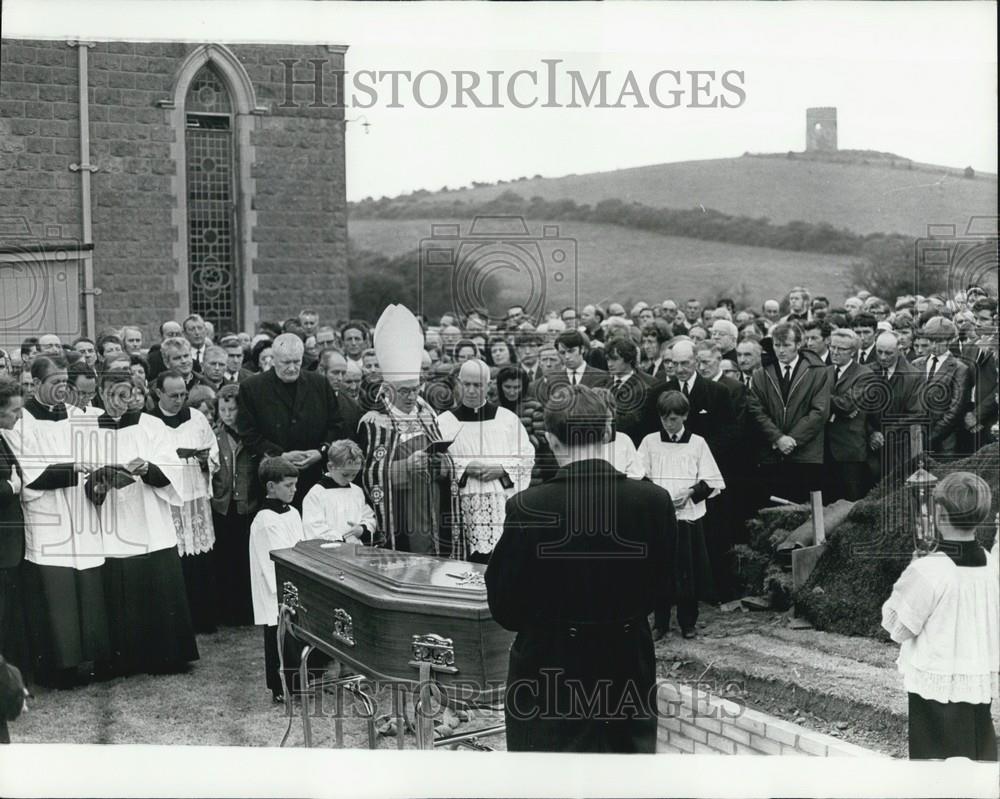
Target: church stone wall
300,225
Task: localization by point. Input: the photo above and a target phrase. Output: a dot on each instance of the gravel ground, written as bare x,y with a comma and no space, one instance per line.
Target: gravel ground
842,686
220,701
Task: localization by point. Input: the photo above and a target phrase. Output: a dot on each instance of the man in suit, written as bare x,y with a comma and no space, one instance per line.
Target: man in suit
892,406
846,474
290,412
712,415
728,511
196,332
724,334
946,387
981,358
655,336
235,371
582,561
177,355
865,328
789,404
631,389
816,333
903,328
748,354
572,349
527,345
12,635
333,366
169,329
549,365
708,364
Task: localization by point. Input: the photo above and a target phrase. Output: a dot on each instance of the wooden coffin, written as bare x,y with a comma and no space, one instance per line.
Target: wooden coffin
384,613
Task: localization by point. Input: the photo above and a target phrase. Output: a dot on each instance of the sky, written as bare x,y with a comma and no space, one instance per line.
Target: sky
915,79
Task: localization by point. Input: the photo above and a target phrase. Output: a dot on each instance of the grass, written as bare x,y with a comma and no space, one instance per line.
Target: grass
615,263
864,198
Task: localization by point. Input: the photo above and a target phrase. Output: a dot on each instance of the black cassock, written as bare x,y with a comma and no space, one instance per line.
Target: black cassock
275,417
583,559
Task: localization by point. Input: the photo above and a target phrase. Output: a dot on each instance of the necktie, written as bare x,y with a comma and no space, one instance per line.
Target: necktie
785,378
933,366
576,378
684,388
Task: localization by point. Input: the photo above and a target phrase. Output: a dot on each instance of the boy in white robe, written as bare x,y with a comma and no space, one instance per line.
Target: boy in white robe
277,525
681,462
335,508
945,614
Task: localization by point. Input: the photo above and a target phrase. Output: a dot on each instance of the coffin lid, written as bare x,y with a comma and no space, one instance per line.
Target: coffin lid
400,573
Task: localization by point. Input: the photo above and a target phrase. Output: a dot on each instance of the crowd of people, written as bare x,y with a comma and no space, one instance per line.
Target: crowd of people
142,486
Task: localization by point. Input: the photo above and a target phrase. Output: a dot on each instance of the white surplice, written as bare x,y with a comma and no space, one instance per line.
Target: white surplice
495,436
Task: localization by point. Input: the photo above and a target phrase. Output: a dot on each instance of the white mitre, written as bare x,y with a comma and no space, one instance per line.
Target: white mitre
399,344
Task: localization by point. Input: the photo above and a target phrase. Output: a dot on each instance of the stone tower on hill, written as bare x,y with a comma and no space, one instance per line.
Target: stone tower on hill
821,130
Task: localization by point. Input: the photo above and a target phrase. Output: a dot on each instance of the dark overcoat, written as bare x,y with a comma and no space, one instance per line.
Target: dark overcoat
583,559
270,425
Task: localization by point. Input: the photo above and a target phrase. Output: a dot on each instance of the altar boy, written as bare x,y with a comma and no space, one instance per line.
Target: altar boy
335,508
277,525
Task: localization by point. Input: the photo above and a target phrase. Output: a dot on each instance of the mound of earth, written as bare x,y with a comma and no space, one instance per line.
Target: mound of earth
866,554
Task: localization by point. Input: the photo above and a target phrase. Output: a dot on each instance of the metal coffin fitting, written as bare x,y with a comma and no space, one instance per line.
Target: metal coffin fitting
290,596
433,649
343,627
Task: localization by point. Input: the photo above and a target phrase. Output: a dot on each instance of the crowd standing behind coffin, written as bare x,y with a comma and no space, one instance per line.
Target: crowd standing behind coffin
725,407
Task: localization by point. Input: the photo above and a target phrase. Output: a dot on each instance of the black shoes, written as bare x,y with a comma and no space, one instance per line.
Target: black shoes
689,633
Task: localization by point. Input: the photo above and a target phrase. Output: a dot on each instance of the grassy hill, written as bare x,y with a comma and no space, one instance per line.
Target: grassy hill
865,193
615,263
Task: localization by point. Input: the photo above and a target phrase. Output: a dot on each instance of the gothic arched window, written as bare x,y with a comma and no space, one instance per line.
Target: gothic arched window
213,254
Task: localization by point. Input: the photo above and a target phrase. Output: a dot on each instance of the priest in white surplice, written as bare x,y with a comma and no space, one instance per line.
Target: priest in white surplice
493,459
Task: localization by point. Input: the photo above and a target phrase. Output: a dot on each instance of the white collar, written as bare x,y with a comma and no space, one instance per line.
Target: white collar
690,382
791,366
579,370
716,378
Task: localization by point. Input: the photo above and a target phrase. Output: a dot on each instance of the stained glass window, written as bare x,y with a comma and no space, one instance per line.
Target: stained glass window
211,207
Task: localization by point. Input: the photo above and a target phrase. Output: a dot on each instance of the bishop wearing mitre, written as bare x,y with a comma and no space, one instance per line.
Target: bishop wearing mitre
406,475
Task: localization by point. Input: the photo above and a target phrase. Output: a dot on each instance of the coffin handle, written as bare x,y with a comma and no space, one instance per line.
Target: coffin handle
435,650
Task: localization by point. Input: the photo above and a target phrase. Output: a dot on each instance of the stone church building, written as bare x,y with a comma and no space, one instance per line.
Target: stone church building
141,182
